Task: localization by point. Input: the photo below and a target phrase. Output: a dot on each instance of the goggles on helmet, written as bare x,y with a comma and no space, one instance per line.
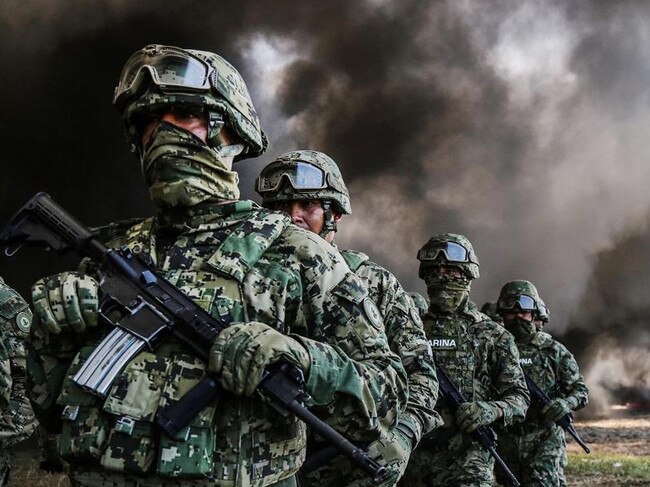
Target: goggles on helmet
543,311
301,175
452,251
523,302
169,69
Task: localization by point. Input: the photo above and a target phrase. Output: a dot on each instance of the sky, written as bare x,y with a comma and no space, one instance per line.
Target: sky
522,124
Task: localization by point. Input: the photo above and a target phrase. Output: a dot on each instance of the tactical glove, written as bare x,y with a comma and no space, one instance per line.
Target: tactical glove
555,409
472,415
66,301
393,452
243,350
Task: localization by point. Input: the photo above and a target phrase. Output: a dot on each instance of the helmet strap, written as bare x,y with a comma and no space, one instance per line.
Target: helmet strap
328,217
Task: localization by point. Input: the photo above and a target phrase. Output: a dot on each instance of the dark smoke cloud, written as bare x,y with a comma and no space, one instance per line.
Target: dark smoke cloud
522,124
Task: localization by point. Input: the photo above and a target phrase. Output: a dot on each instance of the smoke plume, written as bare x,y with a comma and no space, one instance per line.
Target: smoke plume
521,124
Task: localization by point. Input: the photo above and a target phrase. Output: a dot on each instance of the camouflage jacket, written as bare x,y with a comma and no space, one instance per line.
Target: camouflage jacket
552,367
481,360
17,422
406,338
240,263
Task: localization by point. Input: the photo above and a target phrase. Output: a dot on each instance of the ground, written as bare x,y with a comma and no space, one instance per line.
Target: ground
620,455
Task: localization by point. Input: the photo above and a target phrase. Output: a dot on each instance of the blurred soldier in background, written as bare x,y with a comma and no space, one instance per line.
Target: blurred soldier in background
287,296
535,449
308,186
480,359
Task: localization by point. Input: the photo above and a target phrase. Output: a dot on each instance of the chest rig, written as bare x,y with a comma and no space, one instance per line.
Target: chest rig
209,264
537,361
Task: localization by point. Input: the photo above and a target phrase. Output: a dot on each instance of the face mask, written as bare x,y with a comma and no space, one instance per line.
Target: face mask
522,329
183,171
447,293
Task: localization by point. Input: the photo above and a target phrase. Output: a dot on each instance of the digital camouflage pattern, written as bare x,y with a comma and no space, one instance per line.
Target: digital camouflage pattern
481,359
406,338
242,264
420,303
535,450
17,422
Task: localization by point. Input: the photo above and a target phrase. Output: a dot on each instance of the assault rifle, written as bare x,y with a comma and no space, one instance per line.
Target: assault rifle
565,422
484,435
149,309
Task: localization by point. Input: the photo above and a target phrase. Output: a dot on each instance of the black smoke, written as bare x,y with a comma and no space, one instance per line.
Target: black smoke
522,124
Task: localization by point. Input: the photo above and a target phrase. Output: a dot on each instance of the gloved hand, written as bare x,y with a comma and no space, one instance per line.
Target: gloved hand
243,350
66,301
473,415
393,452
555,409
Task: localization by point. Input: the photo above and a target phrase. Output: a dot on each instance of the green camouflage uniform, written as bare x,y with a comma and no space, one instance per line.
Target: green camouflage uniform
18,421
406,339
241,263
482,362
535,450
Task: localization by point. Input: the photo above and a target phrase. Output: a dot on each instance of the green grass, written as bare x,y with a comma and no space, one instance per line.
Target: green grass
603,464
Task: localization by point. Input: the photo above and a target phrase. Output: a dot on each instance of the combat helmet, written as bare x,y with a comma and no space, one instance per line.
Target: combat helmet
158,76
449,249
519,294
304,175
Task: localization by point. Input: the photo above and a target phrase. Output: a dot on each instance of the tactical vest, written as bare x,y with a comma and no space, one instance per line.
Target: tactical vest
537,360
454,341
120,433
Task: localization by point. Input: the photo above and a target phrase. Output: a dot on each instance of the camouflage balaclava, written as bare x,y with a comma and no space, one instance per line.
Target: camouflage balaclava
448,293
183,171
180,169
516,296
302,175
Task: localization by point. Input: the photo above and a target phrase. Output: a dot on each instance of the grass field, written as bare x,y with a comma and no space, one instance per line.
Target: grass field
620,457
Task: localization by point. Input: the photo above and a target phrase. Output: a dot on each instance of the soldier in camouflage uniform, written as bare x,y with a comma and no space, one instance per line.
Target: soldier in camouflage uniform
535,450
18,421
308,186
289,297
480,358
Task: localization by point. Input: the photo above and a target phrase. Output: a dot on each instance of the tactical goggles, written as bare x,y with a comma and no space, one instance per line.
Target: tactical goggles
301,175
452,251
543,311
169,69
523,302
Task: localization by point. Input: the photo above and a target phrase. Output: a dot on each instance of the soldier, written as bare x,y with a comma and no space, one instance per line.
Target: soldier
420,303
535,449
309,187
17,422
544,315
288,295
481,360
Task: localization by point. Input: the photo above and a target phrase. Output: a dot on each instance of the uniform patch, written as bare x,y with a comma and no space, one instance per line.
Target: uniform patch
373,313
444,343
414,314
23,321
525,361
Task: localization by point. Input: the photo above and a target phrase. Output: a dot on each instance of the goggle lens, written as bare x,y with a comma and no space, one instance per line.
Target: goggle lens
169,69
453,252
523,302
301,175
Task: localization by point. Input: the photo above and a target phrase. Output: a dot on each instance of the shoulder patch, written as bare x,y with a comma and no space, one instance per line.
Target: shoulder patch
373,313
23,321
